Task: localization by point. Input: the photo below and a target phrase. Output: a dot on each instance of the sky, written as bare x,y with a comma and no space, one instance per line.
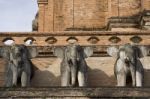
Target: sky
17,15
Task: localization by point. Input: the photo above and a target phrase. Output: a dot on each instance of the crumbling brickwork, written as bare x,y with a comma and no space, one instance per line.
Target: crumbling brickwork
61,15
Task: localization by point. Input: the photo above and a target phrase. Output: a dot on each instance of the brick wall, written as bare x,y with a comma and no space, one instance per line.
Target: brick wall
90,14
60,15
146,4
129,7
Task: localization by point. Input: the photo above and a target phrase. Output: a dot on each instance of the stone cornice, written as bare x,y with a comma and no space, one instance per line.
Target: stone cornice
100,40
42,1
74,33
61,92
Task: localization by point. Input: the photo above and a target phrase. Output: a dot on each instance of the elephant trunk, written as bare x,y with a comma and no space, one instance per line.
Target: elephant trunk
73,72
15,75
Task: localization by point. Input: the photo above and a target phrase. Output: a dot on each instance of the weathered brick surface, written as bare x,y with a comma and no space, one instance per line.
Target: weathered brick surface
90,14
146,4
129,7
60,15
41,18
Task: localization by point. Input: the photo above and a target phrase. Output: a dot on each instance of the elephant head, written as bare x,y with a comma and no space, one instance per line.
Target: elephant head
17,57
73,63
16,53
128,63
128,52
73,52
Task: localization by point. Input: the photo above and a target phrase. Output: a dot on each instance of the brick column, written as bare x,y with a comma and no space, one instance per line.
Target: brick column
42,9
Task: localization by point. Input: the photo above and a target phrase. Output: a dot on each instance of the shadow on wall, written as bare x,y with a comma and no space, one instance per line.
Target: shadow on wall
44,78
97,77
47,73
147,77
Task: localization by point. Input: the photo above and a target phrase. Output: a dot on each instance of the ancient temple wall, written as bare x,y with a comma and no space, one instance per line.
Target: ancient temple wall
41,17
90,14
100,71
129,7
48,72
146,4
61,15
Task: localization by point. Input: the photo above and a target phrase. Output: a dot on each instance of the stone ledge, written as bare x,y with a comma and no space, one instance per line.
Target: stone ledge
73,33
42,1
105,92
100,40
123,22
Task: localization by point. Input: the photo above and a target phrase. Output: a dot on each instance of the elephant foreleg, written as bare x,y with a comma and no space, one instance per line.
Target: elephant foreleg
121,79
81,79
8,78
139,74
73,75
15,76
8,82
139,79
25,80
65,78
133,75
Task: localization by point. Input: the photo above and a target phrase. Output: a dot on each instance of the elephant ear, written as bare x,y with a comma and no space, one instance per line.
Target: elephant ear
59,52
5,52
143,51
32,52
88,51
113,51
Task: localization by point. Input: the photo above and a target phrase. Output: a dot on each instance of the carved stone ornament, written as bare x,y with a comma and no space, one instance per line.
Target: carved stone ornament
136,39
72,40
114,39
93,40
51,40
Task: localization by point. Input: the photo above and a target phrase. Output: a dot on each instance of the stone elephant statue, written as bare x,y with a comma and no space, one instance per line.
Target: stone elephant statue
128,63
73,65
18,65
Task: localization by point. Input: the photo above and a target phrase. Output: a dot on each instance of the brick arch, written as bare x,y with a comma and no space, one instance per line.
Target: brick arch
51,40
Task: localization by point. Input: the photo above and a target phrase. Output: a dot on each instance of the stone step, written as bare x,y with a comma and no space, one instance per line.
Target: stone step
73,93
